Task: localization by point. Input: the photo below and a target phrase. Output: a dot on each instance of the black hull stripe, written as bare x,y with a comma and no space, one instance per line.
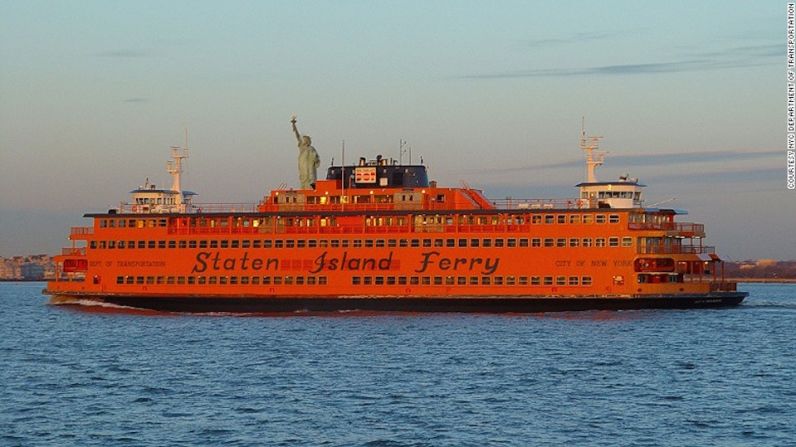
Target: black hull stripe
395,304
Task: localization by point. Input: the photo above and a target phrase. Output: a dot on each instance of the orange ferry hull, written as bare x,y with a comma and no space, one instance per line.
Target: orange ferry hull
245,304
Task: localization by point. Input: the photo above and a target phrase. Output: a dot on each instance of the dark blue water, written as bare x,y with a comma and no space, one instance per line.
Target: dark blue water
80,377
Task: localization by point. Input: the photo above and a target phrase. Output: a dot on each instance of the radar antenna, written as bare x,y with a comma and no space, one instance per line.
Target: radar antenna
594,157
174,167
671,199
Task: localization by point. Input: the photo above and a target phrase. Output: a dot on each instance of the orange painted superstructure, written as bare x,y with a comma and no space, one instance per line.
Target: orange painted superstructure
394,242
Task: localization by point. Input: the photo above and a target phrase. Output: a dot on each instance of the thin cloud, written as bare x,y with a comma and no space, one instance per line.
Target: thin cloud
661,159
751,50
575,38
691,157
721,176
621,69
738,57
135,100
123,53
756,176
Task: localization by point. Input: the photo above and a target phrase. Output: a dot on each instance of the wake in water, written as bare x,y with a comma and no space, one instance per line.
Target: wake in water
96,306
778,305
99,306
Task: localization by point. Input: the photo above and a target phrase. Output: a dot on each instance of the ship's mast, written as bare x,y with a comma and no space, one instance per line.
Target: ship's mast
174,167
404,147
594,157
343,177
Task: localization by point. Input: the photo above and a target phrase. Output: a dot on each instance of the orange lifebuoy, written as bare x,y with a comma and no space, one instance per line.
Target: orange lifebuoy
135,208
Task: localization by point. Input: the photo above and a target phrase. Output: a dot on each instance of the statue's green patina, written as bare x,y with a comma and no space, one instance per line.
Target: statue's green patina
308,160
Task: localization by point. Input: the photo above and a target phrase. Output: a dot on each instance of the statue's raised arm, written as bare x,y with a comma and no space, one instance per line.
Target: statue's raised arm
308,160
295,129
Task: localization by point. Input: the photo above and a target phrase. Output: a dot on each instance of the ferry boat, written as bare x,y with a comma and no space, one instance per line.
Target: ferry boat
377,235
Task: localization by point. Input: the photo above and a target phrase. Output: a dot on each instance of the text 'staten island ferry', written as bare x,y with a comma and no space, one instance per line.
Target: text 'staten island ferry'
379,236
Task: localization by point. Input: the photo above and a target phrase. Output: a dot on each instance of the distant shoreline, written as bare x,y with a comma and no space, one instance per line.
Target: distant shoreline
764,280
24,280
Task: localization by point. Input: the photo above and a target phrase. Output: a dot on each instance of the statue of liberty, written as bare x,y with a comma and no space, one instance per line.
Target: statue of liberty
308,160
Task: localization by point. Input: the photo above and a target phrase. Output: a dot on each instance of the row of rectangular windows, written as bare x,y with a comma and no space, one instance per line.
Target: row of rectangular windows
464,220
360,280
370,243
225,280
472,280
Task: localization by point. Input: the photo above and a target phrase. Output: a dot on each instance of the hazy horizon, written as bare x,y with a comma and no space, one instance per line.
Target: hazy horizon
689,97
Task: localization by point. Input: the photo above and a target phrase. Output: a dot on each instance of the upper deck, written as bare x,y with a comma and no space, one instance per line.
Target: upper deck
382,195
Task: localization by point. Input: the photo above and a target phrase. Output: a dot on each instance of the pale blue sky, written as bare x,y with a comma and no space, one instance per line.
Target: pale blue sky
92,94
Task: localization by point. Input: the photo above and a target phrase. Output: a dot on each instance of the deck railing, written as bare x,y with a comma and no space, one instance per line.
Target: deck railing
690,227
684,227
224,207
507,204
194,208
667,226
77,231
682,249
510,203
355,229
73,251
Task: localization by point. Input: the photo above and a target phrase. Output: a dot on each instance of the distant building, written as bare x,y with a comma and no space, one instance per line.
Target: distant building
27,268
32,272
9,269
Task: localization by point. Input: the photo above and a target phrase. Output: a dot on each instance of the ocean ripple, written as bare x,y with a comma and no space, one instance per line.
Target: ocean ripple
75,376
